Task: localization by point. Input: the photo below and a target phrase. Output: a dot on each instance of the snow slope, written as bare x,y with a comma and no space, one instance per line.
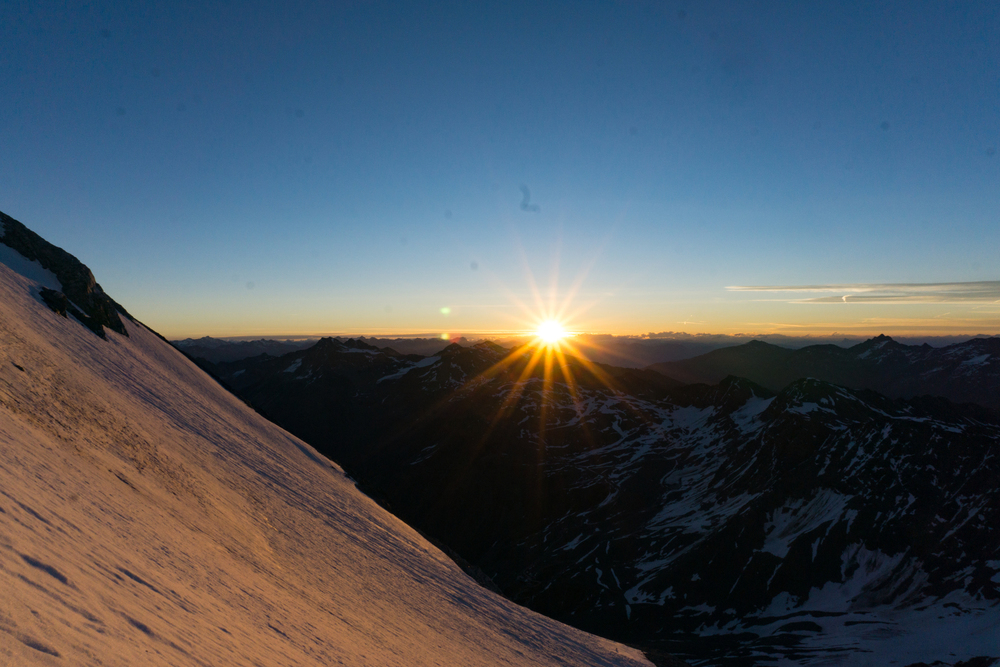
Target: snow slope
148,516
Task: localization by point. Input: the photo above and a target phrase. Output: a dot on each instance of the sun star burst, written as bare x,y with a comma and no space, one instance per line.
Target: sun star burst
550,332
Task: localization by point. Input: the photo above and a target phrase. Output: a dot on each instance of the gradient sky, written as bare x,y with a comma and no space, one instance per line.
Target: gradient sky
354,167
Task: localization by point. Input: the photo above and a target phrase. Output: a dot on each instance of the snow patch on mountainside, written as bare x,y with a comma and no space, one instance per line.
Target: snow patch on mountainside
975,361
798,517
423,363
883,635
746,417
31,270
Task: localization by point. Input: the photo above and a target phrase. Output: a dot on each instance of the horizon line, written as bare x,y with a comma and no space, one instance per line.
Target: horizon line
648,336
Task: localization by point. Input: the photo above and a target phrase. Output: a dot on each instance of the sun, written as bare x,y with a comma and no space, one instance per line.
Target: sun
550,332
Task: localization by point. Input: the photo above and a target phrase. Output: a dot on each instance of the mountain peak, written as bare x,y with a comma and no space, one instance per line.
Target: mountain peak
328,343
489,346
358,344
877,341
870,349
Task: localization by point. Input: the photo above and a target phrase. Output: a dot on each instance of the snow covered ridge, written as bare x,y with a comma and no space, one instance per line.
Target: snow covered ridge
149,517
804,526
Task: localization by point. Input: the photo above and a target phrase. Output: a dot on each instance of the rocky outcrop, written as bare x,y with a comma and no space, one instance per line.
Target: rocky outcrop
81,296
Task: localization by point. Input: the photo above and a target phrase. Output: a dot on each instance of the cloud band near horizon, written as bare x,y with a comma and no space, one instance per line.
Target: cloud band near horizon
986,291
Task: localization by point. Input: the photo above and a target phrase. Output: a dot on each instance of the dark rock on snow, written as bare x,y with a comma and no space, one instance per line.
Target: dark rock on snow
81,296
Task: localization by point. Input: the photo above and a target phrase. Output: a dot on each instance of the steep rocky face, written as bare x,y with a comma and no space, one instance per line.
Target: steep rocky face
964,372
80,295
726,523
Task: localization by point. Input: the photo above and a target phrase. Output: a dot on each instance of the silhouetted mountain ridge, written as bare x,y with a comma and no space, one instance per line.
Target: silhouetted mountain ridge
967,372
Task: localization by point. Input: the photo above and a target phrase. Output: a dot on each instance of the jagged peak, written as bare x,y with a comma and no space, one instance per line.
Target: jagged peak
359,344
879,340
874,348
454,348
491,348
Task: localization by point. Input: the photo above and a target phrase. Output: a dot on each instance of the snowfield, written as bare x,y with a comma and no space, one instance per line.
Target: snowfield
149,517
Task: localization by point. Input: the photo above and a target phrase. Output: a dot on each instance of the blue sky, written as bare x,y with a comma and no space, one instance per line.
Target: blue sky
244,168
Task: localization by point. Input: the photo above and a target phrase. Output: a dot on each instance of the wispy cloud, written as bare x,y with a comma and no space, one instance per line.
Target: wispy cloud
986,291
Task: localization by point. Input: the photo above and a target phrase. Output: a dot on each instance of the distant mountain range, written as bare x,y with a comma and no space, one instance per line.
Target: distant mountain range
728,523
967,372
219,350
622,351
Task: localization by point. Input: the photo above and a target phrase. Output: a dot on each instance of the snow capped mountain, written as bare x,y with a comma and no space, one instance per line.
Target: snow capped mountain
967,372
147,516
730,524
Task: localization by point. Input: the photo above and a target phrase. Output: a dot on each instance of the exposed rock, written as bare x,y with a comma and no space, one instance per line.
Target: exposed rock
80,291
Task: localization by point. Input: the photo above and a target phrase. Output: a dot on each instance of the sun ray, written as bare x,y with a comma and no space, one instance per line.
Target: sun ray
532,283
519,385
578,283
554,279
567,374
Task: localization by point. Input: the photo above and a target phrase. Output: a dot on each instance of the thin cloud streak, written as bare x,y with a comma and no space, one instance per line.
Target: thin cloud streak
985,291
